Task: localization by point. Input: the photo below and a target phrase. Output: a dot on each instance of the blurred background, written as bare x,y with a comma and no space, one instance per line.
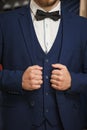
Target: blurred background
76,6
73,5
11,4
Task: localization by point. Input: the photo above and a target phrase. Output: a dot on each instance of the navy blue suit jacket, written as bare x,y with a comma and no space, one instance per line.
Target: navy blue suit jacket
16,55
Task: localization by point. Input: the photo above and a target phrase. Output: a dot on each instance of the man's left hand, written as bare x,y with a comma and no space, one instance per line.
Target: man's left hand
60,78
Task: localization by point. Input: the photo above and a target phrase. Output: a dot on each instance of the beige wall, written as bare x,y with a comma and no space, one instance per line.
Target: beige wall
83,8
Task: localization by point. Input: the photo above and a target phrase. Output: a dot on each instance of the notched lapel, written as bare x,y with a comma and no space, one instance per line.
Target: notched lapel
25,25
66,46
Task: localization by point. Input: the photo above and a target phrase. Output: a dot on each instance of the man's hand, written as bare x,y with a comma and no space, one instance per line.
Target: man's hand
32,78
1,68
60,78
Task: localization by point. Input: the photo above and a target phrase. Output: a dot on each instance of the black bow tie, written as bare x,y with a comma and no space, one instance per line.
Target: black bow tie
40,15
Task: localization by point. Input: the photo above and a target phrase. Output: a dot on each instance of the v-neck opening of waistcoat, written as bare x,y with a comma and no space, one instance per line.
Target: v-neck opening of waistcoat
35,42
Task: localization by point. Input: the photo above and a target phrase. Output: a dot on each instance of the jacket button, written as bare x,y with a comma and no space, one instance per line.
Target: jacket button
47,110
32,103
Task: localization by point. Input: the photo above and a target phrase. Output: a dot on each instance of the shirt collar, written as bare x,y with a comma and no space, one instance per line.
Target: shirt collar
34,7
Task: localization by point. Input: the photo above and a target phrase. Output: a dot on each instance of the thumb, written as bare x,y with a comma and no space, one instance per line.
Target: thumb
58,66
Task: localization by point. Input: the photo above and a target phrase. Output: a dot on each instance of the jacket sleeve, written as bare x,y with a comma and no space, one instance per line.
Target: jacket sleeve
10,81
79,80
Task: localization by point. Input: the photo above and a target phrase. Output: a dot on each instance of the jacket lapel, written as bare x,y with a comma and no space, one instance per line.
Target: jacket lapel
26,26
66,34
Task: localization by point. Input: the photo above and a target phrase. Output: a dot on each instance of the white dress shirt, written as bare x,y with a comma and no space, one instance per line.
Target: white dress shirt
46,30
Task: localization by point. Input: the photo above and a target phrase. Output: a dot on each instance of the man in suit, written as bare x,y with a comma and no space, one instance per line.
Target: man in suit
43,52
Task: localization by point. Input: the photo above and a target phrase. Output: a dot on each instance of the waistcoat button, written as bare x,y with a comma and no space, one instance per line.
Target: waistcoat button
32,103
46,93
47,110
46,77
47,60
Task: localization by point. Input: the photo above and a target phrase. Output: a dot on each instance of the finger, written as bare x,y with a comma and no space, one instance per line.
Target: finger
38,77
55,77
36,72
34,76
26,85
58,66
57,72
35,82
55,82
34,87
54,86
35,67
57,87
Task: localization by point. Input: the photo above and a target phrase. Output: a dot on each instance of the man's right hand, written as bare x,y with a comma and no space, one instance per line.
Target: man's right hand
32,78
